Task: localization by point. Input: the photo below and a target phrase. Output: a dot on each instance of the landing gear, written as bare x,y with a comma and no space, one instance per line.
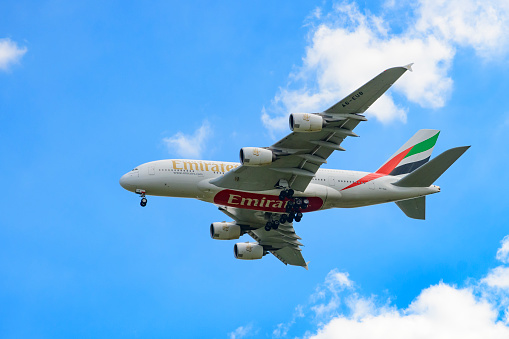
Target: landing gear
272,225
143,201
298,216
286,193
293,209
283,218
275,224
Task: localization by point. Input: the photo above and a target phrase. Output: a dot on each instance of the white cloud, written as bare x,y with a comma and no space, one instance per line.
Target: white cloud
503,251
498,277
481,25
347,48
478,310
190,146
283,328
242,332
10,53
335,283
440,311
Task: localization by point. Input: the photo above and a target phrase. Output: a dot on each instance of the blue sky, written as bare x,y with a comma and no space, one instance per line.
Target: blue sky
88,91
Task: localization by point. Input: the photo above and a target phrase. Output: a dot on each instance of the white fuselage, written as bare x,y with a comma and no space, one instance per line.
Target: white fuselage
329,188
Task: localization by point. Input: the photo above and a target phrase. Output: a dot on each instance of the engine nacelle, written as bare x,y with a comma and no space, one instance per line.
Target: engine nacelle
225,230
255,156
248,251
306,122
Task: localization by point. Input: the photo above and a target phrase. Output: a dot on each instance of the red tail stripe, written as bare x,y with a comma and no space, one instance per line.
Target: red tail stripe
365,179
391,164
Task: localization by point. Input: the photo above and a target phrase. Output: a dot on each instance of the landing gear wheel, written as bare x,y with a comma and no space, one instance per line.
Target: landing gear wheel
290,219
298,216
283,218
289,193
268,226
305,203
275,224
282,195
298,201
143,202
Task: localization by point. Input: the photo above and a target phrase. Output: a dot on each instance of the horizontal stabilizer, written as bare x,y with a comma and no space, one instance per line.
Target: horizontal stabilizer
413,208
426,175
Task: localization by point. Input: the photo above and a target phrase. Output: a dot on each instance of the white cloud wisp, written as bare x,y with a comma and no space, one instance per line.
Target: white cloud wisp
190,146
10,53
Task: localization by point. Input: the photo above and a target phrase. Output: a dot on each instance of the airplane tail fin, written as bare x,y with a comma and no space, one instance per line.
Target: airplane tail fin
412,155
426,175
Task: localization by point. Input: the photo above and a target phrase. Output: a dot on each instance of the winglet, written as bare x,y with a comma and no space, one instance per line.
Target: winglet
409,67
307,267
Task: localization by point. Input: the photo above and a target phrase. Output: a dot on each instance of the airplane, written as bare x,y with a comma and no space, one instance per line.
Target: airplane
272,187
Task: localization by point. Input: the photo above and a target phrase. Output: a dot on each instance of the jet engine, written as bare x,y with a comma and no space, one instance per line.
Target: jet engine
306,122
248,251
255,156
224,230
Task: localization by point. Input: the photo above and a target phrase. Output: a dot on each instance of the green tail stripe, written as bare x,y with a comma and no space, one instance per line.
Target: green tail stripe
423,146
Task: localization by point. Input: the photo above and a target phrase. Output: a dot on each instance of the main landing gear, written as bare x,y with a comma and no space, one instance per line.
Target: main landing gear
143,202
294,208
286,193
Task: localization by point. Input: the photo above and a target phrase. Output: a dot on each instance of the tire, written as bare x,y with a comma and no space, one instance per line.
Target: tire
282,196
290,220
298,215
298,201
290,193
144,200
268,226
283,218
143,204
297,219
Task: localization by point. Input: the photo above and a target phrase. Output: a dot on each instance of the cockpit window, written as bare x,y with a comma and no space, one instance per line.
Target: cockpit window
135,169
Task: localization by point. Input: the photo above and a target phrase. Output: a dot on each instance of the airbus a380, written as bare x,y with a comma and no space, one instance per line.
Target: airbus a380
272,187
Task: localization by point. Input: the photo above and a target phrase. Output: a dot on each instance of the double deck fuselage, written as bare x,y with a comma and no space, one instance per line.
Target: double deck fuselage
328,189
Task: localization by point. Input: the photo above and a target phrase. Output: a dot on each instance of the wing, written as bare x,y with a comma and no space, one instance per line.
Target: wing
283,243
300,155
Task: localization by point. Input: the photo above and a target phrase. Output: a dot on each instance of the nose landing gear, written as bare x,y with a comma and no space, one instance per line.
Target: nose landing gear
143,202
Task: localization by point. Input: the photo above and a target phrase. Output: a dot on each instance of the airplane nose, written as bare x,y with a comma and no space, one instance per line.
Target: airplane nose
127,182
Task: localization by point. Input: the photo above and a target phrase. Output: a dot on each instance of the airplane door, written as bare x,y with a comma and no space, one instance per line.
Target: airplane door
371,185
332,181
152,170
